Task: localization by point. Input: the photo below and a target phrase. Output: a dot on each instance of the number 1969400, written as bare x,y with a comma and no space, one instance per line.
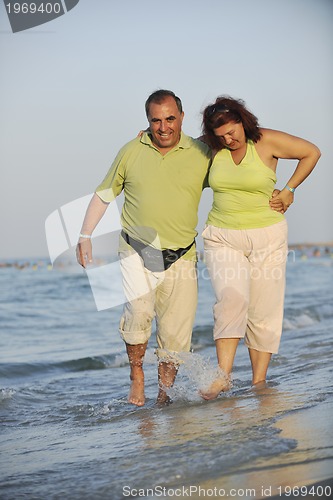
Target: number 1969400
303,491
33,8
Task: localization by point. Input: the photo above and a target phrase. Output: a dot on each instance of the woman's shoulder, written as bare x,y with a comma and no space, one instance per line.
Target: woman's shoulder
268,133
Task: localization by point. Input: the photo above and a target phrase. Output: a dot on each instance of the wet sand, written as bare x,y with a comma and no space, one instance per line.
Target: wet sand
309,464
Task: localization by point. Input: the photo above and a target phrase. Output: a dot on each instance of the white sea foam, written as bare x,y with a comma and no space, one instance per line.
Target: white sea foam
120,360
301,321
6,394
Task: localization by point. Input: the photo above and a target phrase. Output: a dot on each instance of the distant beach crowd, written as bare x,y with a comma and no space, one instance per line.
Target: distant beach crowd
299,251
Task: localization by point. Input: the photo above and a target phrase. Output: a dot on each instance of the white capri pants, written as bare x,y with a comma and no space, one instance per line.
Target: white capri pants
169,296
247,270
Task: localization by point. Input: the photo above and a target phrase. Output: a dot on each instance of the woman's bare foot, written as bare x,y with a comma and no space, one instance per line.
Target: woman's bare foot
219,385
258,386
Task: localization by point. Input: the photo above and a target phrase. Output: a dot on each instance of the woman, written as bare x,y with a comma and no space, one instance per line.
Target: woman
245,239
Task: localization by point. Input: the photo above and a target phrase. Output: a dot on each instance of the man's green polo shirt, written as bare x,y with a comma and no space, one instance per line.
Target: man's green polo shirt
162,193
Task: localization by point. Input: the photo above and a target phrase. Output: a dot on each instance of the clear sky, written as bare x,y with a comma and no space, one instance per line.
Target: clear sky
73,92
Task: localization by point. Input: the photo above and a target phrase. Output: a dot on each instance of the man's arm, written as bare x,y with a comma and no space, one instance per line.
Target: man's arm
95,211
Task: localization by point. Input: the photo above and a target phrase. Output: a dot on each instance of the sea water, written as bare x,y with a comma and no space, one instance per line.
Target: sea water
67,430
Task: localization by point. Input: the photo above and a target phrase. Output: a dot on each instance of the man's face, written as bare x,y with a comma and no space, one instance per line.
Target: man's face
165,122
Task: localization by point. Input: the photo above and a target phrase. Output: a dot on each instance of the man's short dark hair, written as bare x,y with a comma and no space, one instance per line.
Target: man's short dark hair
159,96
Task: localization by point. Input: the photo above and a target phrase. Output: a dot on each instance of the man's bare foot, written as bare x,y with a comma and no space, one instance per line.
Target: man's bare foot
163,398
136,394
167,372
219,385
135,357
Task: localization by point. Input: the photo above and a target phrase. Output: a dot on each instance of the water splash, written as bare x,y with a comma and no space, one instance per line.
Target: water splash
196,375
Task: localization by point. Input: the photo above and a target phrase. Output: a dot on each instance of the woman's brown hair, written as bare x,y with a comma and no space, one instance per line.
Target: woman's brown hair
225,110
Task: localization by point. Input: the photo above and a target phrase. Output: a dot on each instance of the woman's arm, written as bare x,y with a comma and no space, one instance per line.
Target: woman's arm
286,146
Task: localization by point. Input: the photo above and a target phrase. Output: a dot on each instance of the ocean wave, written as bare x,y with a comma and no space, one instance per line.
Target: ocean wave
299,322
301,318
9,370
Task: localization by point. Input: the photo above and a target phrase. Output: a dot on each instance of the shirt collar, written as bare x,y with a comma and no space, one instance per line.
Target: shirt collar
184,142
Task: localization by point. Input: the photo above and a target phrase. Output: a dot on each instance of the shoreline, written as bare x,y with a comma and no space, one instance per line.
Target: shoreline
309,465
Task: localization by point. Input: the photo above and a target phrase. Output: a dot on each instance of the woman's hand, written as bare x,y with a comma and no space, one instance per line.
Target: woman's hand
281,200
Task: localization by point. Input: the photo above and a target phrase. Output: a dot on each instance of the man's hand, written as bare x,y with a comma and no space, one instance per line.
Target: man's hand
95,211
281,200
84,252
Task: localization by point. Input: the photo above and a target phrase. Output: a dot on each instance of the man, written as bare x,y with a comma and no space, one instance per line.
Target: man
162,174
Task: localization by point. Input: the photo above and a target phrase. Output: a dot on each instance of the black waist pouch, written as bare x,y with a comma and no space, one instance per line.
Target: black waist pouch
153,259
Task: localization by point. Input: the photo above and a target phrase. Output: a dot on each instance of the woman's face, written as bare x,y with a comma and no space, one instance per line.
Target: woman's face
231,135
